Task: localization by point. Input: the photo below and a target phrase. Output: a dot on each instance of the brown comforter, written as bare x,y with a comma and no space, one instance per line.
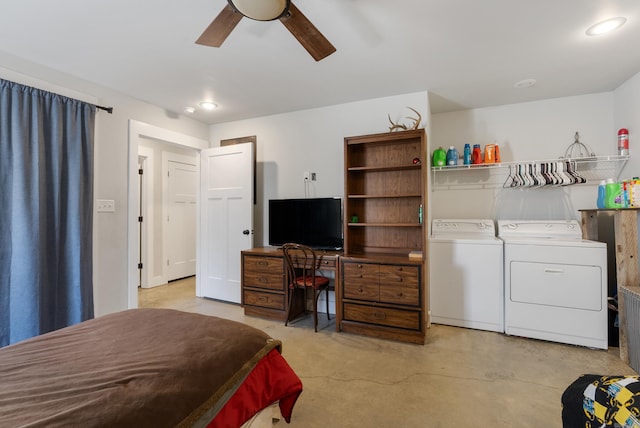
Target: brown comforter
136,368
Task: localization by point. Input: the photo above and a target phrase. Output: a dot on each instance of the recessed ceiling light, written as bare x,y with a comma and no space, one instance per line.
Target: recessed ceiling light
605,26
189,110
526,83
208,105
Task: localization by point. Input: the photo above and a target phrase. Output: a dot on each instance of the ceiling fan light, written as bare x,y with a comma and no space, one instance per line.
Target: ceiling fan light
261,10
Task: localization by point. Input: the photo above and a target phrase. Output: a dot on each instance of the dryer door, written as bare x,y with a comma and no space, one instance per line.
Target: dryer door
562,285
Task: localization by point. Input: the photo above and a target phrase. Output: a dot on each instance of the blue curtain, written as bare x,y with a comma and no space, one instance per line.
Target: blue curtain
46,211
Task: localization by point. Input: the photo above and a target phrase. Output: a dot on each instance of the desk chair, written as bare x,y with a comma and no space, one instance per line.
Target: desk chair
301,266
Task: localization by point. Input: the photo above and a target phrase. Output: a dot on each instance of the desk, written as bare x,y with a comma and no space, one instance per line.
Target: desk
625,223
264,289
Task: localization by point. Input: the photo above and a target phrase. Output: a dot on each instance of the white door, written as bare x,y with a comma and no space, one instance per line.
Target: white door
181,220
226,215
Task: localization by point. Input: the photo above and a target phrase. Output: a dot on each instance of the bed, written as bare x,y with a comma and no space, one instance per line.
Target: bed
145,368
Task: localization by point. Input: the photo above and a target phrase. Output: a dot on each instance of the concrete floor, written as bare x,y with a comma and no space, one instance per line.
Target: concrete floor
459,378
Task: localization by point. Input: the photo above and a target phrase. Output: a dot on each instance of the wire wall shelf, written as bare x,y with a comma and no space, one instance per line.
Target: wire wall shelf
587,171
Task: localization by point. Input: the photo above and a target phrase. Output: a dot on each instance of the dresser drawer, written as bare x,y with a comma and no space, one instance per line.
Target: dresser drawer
271,281
382,316
405,276
265,300
327,263
361,273
263,272
262,264
400,295
361,290
361,281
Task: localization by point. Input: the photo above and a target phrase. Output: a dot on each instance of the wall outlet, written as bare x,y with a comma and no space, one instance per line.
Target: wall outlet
313,176
105,205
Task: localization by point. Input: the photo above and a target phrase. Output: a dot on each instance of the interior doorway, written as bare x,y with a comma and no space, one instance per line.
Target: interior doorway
224,224
168,177
141,134
179,219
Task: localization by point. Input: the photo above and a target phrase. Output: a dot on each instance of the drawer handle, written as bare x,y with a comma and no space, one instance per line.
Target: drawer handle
400,294
359,266
360,276
262,299
399,269
261,263
360,290
263,280
400,279
380,315
325,262
555,271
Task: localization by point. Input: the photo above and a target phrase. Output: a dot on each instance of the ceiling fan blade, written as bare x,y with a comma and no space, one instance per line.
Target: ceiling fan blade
220,28
307,34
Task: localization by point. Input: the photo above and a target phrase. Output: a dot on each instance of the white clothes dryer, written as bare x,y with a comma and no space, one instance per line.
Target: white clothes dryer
555,282
466,274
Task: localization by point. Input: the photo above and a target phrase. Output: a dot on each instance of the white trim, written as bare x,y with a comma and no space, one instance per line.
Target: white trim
148,280
138,130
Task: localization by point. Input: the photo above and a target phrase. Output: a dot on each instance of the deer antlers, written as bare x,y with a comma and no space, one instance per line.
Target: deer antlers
401,126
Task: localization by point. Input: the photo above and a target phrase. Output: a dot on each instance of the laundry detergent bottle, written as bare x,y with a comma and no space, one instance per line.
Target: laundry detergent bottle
613,194
439,157
452,156
602,194
467,154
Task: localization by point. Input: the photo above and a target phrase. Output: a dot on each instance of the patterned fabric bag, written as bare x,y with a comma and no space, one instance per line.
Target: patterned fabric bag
595,401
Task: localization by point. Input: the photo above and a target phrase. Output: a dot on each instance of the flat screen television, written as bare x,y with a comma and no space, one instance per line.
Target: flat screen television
316,222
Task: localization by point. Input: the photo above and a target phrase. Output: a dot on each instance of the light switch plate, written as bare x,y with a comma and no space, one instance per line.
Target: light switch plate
105,205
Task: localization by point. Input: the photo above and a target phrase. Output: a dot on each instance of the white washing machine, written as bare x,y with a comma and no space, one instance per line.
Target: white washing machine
555,282
466,274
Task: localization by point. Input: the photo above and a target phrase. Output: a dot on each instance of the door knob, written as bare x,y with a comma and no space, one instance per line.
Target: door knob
245,232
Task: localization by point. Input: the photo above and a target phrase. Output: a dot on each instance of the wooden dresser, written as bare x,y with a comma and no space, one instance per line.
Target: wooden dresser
382,297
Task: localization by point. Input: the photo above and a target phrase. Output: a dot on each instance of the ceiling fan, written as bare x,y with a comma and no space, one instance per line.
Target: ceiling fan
267,10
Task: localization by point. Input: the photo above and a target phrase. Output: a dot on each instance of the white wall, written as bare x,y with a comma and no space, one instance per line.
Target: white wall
111,167
312,140
627,115
540,130
110,270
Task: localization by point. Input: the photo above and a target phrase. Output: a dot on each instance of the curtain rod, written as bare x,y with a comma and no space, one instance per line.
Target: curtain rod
107,109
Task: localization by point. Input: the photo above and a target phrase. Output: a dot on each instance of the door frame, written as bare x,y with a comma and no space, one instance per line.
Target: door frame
137,131
146,240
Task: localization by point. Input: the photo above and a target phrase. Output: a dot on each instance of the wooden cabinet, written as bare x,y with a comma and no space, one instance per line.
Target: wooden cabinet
263,286
383,299
382,290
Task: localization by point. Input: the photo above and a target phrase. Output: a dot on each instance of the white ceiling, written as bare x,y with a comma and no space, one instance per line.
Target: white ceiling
466,53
